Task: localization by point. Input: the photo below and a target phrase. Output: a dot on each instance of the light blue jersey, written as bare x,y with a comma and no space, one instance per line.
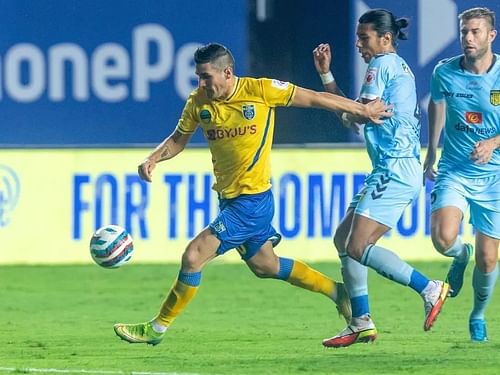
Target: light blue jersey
394,146
389,77
472,114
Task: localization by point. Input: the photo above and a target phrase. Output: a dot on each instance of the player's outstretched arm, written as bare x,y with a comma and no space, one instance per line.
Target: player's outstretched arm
375,111
170,147
436,112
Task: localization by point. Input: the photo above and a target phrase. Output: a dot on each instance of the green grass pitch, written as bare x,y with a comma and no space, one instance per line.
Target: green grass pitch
58,319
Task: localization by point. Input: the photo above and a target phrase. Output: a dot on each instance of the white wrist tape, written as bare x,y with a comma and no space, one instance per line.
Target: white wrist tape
326,78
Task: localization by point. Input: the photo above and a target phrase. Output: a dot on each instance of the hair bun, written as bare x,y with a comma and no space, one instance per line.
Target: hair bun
402,22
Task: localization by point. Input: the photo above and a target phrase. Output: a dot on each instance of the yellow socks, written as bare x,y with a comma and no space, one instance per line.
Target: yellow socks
181,293
308,278
293,271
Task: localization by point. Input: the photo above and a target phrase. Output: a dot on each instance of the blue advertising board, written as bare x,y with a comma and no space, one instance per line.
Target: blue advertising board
109,73
105,72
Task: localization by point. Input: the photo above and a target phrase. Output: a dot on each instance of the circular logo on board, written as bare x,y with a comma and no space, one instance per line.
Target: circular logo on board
10,189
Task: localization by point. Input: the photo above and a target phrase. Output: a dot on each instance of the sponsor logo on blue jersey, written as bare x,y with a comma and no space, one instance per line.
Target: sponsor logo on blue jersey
449,94
473,85
495,97
473,118
475,130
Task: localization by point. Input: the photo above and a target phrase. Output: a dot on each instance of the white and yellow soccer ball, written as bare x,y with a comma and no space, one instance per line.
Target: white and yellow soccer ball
111,246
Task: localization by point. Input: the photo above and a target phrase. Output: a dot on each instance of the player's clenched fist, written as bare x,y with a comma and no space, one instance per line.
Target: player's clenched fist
145,169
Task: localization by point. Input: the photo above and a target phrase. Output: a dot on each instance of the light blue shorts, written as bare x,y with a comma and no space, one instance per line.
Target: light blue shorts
244,224
481,194
388,190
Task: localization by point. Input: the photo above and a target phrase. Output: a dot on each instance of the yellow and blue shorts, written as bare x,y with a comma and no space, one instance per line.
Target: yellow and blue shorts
244,223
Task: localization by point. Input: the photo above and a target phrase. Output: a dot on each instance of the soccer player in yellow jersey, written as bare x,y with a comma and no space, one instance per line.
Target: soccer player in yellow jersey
236,115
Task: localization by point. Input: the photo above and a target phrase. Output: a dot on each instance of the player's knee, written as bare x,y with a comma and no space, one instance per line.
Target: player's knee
443,240
190,258
443,235
355,249
486,261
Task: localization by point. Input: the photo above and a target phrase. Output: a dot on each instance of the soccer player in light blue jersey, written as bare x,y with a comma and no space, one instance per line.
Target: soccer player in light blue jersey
465,99
393,184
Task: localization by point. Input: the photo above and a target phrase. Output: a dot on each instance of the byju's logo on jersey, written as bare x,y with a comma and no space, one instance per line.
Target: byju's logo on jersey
9,193
495,97
473,118
248,111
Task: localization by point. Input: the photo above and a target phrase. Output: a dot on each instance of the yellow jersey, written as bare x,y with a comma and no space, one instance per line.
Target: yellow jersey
239,131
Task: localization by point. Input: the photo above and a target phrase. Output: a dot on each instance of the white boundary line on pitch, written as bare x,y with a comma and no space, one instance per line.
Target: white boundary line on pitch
83,371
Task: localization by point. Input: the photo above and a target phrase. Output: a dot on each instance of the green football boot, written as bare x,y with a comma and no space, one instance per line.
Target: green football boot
142,333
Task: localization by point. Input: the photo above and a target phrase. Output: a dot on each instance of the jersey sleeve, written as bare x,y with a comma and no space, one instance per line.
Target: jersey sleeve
188,121
437,95
376,78
277,93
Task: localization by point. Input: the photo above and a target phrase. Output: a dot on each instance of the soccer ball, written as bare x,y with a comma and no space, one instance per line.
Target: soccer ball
111,246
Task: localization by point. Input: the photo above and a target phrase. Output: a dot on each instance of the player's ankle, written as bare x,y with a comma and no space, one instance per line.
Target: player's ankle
158,327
